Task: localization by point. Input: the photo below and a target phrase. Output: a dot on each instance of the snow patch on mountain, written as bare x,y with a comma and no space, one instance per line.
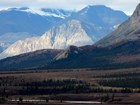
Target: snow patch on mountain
20,23
43,12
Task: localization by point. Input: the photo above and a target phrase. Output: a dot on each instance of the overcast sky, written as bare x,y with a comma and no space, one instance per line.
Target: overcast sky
127,6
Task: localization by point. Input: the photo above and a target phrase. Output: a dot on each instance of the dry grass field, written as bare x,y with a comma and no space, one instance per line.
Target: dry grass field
89,76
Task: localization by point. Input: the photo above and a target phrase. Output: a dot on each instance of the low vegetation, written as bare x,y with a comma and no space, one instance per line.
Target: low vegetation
99,85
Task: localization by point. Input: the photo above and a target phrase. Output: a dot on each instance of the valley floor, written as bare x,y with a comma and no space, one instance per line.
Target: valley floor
56,87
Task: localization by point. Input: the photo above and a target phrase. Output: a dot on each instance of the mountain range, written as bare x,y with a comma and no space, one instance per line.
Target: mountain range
120,49
22,23
84,27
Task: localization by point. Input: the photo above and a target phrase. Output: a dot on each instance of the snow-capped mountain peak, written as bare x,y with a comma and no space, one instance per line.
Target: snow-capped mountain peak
22,23
43,11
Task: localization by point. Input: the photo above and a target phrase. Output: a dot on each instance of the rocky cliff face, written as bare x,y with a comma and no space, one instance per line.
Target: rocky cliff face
128,31
59,37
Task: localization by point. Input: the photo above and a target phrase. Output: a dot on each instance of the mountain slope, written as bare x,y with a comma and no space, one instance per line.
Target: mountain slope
53,39
24,20
9,38
21,23
82,28
29,60
126,55
120,49
128,31
99,20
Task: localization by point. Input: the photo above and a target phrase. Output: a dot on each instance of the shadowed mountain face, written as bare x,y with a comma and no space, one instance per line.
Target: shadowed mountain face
126,55
99,20
29,60
120,56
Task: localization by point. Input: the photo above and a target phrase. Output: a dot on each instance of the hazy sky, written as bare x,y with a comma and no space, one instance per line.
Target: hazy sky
127,6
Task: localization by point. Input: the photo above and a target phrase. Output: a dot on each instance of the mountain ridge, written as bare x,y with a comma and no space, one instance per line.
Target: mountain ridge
23,23
127,31
123,54
79,29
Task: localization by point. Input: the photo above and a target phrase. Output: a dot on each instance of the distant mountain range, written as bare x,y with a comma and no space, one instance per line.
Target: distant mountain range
84,27
21,23
120,49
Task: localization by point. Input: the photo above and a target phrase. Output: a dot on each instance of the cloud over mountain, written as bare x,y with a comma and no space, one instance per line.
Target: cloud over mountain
126,6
